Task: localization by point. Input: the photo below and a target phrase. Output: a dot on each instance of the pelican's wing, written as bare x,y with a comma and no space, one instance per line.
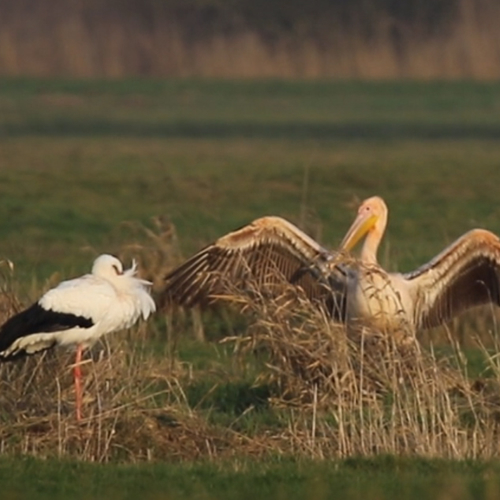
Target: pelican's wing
262,254
464,275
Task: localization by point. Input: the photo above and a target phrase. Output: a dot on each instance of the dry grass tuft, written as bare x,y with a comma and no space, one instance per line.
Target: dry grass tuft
156,248
134,410
365,392
134,406
126,399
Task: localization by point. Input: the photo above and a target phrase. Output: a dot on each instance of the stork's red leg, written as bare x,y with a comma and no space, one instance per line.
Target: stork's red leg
78,387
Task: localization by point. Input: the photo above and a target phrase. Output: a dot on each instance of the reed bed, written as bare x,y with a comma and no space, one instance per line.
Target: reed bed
367,40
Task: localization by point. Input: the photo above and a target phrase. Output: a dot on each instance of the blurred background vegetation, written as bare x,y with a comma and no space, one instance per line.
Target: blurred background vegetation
366,39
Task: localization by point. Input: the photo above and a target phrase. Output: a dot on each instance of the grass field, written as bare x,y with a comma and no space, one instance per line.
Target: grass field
78,159
84,169
374,479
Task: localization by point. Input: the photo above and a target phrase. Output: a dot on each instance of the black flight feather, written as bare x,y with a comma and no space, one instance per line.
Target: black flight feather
36,319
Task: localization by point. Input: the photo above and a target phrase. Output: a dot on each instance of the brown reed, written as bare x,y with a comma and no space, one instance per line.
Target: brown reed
53,38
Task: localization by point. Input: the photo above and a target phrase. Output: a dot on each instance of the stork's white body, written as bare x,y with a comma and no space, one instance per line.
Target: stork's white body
110,300
79,312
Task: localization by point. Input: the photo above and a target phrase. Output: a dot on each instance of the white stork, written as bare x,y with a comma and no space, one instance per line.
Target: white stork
79,311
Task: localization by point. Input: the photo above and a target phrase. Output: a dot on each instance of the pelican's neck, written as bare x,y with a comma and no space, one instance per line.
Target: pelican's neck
370,247
372,241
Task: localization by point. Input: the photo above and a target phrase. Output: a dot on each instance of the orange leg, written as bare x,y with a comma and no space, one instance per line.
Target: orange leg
78,387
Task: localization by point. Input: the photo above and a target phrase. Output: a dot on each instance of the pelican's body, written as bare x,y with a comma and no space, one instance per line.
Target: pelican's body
464,275
378,299
375,298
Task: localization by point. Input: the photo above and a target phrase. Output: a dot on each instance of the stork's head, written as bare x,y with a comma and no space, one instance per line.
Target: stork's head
371,219
107,266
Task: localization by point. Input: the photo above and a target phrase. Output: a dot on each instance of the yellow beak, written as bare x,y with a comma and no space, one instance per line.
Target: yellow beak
359,228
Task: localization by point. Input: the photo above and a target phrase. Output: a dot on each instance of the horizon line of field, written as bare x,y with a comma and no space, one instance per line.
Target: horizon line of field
218,129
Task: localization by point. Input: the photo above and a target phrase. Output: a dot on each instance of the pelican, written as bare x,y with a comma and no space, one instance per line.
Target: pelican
79,311
462,276
360,292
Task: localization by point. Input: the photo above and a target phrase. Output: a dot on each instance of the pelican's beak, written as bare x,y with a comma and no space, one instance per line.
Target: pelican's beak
359,228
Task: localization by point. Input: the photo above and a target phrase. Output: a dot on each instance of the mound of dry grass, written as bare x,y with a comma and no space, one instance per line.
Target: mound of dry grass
338,393
134,404
126,400
134,409
363,392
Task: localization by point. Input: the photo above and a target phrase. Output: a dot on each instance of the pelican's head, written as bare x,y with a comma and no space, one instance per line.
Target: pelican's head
371,218
107,266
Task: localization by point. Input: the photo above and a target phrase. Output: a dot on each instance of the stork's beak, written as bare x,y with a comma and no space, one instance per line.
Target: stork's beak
359,228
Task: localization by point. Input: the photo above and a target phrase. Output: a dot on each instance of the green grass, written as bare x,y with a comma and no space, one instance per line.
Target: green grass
372,479
185,108
78,160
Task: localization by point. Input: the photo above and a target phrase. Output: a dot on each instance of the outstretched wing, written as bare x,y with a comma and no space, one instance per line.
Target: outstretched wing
464,275
264,254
